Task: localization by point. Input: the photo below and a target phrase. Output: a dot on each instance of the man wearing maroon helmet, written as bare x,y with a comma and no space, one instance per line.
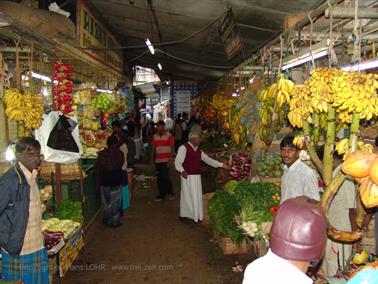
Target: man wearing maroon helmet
297,239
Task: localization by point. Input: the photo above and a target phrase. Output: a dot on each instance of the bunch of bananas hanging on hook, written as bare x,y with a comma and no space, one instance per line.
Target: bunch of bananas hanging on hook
355,92
300,106
319,86
27,107
284,89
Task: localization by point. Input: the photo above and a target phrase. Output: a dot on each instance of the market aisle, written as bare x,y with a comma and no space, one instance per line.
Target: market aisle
152,246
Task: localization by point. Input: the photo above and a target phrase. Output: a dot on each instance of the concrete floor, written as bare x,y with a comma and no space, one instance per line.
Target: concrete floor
153,246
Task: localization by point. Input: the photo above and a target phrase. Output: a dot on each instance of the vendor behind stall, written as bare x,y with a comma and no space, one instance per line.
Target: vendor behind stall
298,178
341,215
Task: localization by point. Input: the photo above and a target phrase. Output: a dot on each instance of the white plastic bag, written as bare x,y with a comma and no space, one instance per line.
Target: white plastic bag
56,156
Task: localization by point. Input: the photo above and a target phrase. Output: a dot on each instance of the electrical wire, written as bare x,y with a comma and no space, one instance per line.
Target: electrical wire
139,56
174,42
192,62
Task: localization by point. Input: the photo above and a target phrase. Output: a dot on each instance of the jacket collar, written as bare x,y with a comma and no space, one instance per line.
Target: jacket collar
20,173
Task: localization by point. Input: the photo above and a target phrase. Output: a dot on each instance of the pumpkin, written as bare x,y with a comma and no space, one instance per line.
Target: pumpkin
373,171
369,193
358,163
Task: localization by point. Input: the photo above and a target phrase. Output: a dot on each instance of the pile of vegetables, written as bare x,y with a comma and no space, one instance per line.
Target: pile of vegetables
241,211
54,225
270,167
222,210
71,210
231,185
215,142
52,239
241,166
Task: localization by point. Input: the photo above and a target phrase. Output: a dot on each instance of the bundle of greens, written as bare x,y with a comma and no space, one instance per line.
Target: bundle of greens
241,211
222,210
71,210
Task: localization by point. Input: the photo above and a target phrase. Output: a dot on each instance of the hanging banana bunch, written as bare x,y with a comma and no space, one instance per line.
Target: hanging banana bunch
26,108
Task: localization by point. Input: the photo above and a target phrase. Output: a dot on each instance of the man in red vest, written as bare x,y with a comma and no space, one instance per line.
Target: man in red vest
188,164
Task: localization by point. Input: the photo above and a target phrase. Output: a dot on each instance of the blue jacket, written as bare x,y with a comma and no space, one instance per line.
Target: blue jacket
14,210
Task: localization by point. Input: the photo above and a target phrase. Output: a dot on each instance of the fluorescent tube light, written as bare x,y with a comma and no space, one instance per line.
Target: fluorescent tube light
104,91
40,77
370,64
305,58
160,67
150,46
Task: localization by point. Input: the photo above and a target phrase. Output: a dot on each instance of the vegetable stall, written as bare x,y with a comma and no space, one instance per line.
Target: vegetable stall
330,108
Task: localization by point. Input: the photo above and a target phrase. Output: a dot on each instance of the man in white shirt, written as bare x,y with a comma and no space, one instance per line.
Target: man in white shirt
188,164
297,239
298,178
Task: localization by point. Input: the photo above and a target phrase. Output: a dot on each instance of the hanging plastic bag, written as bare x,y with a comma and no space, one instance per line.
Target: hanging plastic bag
52,155
61,137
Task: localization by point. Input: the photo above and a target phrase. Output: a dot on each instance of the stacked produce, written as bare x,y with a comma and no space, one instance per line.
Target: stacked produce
241,166
52,239
92,137
55,225
102,102
272,166
63,87
68,209
363,166
242,210
26,108
118,104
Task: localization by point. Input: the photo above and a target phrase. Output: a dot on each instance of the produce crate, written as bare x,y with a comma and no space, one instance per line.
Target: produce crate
205,202
230,248
260,247
68,171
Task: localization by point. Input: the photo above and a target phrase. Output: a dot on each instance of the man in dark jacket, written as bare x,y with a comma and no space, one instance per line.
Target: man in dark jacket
21,241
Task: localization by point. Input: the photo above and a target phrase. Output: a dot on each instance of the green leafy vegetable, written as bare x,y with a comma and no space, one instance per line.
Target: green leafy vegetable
222,210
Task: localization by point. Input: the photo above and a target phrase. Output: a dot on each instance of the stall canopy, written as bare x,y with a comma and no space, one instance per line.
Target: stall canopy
216,34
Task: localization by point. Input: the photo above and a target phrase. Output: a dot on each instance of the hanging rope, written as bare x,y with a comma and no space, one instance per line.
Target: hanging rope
17,69
311,37
281,54
356,34
332,59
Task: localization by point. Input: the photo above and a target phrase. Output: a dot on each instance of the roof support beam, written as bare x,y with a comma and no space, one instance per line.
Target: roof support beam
348,13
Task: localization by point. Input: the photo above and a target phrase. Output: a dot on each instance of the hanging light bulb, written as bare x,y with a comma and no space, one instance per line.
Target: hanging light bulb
9,153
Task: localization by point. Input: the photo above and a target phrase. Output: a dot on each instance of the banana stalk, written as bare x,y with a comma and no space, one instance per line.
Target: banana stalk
329,146
361,212
315,134
327,198
354,130
310,148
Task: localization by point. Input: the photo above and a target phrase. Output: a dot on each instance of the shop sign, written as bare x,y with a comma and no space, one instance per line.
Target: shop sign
230,36
183,101
93,34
